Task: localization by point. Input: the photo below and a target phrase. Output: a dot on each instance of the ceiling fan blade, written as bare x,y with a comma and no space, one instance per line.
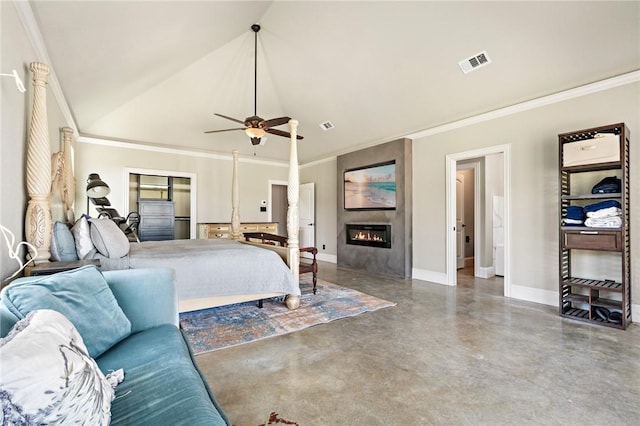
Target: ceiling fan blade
275,122
229,118
282,133
224,130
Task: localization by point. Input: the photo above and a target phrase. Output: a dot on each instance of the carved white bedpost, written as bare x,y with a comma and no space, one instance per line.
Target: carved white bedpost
68,178
63,184
235,210
38,217
293,215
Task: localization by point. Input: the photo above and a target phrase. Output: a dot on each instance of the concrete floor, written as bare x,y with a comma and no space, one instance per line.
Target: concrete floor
443,355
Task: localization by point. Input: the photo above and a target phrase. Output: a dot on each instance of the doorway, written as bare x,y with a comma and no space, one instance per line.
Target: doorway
180,187
499,159
469,174
277,206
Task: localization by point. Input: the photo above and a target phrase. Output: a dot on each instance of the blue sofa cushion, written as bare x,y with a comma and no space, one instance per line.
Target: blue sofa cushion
83,296
161,383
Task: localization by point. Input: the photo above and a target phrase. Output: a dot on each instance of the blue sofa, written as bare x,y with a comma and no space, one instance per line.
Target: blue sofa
162,383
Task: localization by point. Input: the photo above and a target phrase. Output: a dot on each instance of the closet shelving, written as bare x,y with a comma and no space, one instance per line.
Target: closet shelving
585,291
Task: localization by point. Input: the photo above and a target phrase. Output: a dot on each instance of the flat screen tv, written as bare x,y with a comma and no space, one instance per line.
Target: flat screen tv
371,187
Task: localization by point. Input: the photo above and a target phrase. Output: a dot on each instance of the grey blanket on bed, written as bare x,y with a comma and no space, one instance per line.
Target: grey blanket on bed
206,268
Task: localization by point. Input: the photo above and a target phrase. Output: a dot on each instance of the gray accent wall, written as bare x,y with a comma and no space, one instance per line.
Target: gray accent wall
397,260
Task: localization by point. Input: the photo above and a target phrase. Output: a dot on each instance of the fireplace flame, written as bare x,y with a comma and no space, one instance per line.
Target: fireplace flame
362,236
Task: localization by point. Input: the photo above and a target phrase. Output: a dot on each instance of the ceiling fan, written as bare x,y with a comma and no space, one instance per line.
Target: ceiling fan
256,127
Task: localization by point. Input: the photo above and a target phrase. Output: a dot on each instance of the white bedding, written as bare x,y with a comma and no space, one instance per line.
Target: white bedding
206,268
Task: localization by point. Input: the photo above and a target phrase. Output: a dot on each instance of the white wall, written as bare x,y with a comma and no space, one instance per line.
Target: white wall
213,178
17,53
534,186
324,175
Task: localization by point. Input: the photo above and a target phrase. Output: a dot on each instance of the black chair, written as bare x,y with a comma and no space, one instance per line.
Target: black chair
128,225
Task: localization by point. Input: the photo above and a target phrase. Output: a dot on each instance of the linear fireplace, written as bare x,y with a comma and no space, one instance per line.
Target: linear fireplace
369,235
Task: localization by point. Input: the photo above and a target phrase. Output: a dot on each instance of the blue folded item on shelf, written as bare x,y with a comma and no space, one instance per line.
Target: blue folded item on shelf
575,212
601,205
607,185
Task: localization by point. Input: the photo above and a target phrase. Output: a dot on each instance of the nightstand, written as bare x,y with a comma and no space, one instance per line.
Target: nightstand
55,267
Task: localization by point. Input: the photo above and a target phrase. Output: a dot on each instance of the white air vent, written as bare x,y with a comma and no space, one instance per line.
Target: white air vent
476,61
327,125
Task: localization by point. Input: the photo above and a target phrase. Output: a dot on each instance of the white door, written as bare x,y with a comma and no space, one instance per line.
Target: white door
460,220
307,215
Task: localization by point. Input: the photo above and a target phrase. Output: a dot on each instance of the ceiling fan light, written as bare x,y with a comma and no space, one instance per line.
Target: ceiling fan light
254,132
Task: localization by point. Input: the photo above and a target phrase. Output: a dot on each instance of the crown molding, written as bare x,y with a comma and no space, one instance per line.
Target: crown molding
143,146
317,162
25,13
610,83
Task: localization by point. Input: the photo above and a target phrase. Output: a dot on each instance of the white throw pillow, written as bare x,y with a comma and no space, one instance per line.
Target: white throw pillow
82,237
109,238
48,377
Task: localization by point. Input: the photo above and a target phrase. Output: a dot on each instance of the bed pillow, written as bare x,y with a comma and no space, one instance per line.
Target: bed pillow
48,377
63,246
82,237
108,238
83,296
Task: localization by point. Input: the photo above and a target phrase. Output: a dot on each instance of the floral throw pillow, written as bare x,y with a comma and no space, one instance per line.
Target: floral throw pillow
48,377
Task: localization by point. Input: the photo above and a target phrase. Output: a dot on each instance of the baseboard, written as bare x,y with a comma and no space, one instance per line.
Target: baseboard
537,295
486,272
332,258
431,276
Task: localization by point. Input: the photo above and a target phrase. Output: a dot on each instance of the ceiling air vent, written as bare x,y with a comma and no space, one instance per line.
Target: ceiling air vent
476,61
327,125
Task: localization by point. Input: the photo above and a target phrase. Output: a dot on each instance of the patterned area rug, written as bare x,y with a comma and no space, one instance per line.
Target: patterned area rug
217,328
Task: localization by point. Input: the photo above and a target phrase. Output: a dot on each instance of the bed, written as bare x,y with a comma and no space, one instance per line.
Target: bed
208,272
211,272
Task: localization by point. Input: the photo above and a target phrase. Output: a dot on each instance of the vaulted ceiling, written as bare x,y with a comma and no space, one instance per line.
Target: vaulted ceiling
156,72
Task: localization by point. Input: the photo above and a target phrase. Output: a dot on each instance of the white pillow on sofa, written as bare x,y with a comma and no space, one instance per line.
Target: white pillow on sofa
48,377
108,238
82,237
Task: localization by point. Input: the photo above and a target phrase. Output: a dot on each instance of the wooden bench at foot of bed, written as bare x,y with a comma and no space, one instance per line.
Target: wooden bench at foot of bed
274,242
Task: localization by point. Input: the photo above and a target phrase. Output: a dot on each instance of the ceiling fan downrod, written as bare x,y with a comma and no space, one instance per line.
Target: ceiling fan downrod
255,28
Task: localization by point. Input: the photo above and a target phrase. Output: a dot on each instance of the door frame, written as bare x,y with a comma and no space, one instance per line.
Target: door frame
270,184
312,225
450,187
193,192
477,235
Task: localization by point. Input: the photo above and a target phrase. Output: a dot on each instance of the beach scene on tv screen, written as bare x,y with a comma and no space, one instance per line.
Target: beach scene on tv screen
370,188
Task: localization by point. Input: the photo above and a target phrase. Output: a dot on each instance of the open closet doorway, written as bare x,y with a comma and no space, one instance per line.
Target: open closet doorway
490,169
179,188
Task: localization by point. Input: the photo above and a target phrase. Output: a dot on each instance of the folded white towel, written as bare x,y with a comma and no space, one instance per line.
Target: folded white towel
566,221
604,222
608,212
